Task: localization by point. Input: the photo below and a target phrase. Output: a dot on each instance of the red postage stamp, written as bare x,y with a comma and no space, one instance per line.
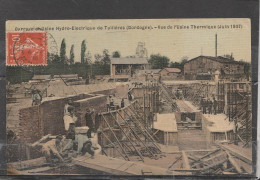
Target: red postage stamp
29,48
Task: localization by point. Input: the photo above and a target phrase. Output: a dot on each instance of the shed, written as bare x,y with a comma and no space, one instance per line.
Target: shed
165,129
127,66
170,73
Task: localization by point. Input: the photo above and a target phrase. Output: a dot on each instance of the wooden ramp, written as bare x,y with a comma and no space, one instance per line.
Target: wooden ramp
118,166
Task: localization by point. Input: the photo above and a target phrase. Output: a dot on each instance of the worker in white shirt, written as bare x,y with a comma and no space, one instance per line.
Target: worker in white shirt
66,112
69,123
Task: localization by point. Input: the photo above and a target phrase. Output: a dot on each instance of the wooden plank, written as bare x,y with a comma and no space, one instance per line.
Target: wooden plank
238,155
40,140
176,160
208,154
28,163
234,163
117,166
185,160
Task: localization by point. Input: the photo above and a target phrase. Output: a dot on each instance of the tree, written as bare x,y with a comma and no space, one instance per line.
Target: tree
106,57
116,54
97,57
158,62
106,62
72,56
83,51
184,59
175,65
63,51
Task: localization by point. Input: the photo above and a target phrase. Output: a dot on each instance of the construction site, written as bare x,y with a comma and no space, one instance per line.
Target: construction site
139,127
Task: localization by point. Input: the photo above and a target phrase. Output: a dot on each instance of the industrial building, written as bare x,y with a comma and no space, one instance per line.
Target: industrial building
127,66
205,67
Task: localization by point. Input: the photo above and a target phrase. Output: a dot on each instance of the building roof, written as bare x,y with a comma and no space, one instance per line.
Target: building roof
219,59
125,60
172,70
41,77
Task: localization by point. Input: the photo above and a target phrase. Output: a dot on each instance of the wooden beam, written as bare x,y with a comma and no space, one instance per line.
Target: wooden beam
140,155
238,155
208,154
113,144
176,160
40,140
116,137
234,163
185,160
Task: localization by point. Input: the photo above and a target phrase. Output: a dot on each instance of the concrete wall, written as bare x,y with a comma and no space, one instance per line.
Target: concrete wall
214,136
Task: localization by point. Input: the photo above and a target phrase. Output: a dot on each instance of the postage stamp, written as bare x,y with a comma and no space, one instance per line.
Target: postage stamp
28,48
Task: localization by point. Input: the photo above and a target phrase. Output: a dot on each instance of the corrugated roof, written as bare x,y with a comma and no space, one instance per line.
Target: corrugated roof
129,60
173,70
41,77
219,59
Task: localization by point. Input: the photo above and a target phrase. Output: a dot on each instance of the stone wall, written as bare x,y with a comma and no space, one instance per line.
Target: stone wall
47,118
31,127
98,103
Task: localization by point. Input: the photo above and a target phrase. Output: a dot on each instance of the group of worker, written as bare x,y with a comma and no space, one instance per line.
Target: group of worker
74,143
209,106
111,105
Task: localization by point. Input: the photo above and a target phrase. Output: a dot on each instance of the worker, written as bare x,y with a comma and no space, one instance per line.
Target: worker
69,103
36,97
52,150
201,103
111,103
122,103
204,106
69,123
150,119
130,98
89,121
210,104
178,95
108,102
215,104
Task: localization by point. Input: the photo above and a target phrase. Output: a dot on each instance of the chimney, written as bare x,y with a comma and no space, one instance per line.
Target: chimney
216,45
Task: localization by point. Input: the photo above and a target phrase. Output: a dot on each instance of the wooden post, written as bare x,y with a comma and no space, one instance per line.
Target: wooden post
115,137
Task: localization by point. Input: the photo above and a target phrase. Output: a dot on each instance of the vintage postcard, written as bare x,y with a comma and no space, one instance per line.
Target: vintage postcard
129,97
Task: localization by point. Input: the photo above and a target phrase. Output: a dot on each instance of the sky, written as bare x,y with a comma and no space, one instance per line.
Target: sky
173,42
